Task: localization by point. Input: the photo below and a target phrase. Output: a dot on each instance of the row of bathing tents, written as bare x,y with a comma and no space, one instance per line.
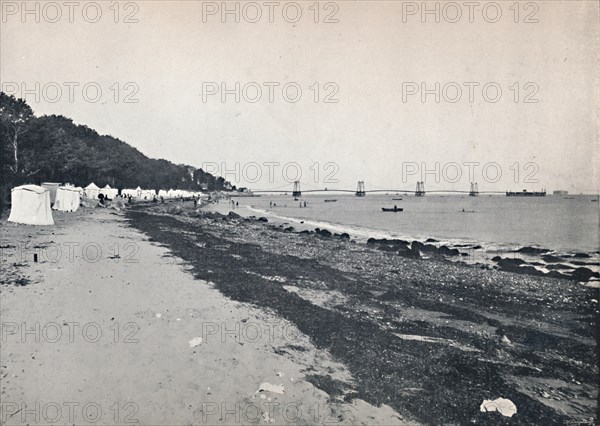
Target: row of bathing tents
32,204
142,194
93,191
149,194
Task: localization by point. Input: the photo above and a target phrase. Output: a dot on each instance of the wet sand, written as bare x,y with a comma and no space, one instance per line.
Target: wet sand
117,329
431,339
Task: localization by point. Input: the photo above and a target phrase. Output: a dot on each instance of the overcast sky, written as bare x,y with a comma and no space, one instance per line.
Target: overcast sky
375,54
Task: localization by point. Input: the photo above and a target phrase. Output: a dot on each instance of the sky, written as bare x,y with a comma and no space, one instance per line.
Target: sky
376,91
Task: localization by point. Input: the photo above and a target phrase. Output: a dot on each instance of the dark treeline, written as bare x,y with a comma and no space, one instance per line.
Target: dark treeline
54,149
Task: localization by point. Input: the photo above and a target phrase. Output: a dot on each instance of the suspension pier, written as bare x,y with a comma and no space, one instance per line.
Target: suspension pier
296,192
420,191
360,189
474,191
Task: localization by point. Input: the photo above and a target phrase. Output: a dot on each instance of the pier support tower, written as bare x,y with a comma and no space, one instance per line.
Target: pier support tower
297,192
474,191
360,189
420,191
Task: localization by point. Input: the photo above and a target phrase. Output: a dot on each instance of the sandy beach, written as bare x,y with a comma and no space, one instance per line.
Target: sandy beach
170,315
115,329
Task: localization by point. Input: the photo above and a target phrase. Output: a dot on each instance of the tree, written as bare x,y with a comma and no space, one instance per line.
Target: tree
15,116
53,148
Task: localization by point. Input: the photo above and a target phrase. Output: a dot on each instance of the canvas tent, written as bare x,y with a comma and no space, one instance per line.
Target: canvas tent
52,187
30,204
67,199
147,194
109,192
92,191
174,193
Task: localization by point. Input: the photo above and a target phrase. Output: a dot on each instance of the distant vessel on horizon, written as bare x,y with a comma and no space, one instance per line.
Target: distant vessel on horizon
560,192
526,193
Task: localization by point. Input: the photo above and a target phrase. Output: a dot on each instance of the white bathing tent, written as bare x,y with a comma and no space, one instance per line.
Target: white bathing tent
174,193
92,191
163,193
52,187
67,199
128,192
147,194
30,204
109,192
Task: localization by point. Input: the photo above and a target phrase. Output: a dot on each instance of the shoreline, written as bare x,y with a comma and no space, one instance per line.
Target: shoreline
527,259
404,327
410,203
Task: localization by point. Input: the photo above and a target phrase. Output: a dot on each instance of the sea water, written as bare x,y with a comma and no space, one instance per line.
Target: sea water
498,223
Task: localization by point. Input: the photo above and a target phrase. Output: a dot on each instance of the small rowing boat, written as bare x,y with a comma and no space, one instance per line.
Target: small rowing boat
393,209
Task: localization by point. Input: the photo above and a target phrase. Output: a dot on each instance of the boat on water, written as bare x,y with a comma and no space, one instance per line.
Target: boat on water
330,201
392,209
397,199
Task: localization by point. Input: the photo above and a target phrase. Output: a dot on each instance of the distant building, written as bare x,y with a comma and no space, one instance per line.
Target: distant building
526,193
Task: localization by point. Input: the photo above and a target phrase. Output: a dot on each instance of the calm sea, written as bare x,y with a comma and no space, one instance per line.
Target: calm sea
505,223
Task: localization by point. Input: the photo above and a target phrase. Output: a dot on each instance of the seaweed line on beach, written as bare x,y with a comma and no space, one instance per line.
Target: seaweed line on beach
376,299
